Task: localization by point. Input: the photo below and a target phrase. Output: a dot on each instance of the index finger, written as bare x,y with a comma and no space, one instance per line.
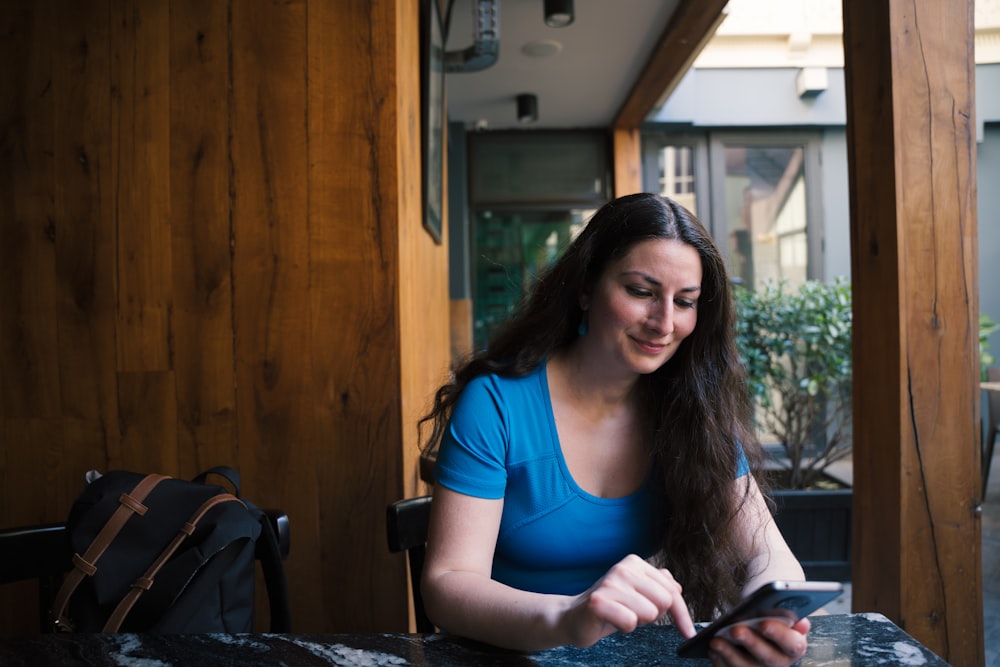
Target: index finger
678,609
682,617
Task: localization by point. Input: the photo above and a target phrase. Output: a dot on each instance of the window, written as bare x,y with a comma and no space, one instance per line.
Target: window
756,192
530,193
512,248
675,166
765,212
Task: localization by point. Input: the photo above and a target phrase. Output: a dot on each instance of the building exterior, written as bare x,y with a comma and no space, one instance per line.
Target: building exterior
754,140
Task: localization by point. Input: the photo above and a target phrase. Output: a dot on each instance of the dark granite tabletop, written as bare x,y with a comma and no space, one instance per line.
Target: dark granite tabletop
846,639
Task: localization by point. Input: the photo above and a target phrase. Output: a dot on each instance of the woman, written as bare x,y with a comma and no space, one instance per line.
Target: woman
597,456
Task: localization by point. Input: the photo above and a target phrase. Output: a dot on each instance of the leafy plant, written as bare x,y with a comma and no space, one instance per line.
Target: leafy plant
796,344
986,327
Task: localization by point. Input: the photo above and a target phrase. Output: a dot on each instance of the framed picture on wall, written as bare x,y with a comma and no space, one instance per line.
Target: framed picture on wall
433,115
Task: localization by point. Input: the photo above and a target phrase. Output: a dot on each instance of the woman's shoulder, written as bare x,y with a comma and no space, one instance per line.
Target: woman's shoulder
513,376
507,385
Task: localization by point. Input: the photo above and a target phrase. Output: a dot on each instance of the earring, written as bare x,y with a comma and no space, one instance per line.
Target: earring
582,329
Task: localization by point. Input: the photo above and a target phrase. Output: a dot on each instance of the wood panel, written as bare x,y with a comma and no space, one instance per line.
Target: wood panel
424,322
425,336
917,541
355,213
147,413
27,228
85,237
200,235
140,168
39,474
85,251
275,398
460,317
204,218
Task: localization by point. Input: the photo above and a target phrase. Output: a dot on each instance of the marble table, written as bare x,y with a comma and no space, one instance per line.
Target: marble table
844,639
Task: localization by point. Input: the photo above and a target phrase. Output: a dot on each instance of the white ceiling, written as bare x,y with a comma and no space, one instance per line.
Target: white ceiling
582,86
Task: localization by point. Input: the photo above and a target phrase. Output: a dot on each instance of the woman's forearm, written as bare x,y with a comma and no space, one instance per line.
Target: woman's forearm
630,594
779,565
468,604
769,557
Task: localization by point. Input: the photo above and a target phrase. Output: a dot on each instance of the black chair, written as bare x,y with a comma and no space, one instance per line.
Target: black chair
993,430
36,552
43,552
406,524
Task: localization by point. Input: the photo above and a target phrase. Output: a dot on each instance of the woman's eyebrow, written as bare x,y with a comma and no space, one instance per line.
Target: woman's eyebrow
645,276
650,279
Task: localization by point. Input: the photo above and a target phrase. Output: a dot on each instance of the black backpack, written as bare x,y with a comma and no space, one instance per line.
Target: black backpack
157,554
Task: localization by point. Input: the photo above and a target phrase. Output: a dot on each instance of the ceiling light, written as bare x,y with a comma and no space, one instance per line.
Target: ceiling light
542,48
558,13
527,108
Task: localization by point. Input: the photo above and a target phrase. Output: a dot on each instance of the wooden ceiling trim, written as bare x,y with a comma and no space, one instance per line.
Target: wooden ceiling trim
691,26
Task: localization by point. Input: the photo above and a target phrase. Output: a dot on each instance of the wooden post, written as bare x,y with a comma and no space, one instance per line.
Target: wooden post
628,161
910,76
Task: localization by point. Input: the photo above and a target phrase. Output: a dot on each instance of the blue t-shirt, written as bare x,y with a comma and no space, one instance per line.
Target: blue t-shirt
554,536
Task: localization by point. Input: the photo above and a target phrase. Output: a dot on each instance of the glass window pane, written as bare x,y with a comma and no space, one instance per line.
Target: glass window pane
512,248
538,169
766,213
675,165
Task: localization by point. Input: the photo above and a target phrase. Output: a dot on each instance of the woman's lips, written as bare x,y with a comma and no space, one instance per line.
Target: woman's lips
648,347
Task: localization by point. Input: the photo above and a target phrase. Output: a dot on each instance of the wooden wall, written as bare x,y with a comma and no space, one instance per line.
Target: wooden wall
211,252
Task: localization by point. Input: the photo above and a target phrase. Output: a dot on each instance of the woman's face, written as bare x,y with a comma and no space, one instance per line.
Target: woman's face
644,305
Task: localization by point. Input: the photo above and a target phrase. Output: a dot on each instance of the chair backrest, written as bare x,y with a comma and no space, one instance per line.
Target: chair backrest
39,552
406,524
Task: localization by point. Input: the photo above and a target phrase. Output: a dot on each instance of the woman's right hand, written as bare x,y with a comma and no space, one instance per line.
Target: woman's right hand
631,594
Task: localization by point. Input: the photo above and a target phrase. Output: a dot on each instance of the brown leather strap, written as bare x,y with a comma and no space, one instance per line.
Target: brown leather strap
86,565
145,582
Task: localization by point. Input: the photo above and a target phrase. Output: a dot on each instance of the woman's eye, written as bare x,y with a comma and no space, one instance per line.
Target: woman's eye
638,291
685,303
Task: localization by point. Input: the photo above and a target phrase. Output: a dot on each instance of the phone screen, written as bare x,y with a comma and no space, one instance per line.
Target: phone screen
788,599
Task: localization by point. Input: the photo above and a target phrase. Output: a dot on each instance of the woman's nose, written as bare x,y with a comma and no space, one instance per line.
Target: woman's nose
661,317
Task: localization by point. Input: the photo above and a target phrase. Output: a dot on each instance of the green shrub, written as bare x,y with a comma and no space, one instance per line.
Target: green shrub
796,345
986,327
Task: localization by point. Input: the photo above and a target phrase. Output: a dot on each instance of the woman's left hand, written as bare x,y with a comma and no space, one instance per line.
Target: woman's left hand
772,643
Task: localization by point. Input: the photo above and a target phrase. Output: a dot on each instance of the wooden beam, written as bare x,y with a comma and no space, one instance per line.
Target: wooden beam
627,147
911,143
691,26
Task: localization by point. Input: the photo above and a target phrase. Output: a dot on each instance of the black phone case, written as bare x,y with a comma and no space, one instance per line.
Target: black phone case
792,599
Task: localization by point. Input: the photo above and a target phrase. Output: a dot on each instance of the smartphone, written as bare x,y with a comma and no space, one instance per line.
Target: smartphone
790,600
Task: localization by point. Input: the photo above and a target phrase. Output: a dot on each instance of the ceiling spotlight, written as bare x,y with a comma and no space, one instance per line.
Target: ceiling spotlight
558,13
527,108
542,48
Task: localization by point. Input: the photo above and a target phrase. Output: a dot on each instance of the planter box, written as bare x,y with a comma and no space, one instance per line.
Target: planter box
816,523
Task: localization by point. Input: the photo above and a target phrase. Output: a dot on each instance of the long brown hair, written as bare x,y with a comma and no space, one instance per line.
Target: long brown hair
696,408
